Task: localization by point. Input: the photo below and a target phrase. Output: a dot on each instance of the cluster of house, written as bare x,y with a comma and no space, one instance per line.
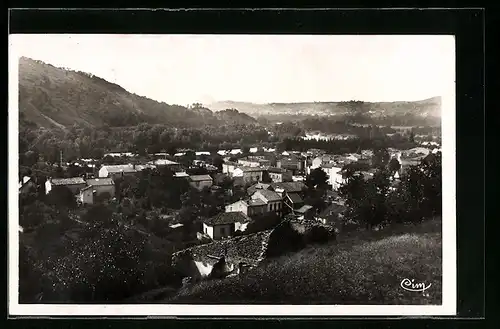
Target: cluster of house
88,189
252,169
279,199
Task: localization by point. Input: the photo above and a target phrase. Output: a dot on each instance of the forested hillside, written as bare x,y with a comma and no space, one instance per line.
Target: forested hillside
55,97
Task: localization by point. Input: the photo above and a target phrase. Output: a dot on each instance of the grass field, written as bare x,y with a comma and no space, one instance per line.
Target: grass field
362,268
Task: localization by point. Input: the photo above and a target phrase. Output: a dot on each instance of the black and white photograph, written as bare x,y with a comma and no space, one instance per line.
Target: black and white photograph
202,174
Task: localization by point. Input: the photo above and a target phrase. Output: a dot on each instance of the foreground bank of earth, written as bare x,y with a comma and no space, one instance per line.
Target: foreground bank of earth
365,268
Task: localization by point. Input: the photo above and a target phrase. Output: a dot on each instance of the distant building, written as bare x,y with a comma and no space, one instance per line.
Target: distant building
253,161
332,214
102,185
250,208
172,165
225,224
75,184
248,162
26,184
273,200
259,186
228,167
96,187
279,175
335,177
181,174
292,163
289,187
306,211
117,171
249,174
200,182
321,160
236,152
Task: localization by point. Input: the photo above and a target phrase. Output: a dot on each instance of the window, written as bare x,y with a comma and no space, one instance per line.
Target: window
223,231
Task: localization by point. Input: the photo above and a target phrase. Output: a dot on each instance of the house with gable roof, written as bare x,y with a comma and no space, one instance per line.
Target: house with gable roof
200,182
250,207
279,175
273,200
224,225
74,184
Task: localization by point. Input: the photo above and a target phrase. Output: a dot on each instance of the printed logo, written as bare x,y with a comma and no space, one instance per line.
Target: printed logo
411,285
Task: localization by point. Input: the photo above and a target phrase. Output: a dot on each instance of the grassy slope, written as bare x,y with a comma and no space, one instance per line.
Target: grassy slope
354,271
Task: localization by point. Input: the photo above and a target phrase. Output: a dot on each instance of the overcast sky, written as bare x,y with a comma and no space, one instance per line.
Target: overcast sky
183,69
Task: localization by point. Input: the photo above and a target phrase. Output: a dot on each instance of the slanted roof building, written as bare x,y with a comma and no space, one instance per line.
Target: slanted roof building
225,218
288,187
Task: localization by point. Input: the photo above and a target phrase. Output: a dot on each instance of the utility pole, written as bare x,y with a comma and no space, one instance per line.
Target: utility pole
61,158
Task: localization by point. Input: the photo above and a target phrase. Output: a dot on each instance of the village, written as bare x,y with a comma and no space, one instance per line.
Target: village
273,205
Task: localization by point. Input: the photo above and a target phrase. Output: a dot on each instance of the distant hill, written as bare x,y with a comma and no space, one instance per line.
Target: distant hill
55,97
425,108
233,116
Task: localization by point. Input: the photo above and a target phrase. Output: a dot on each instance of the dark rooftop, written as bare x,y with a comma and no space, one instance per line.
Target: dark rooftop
295,198
289,187
334,208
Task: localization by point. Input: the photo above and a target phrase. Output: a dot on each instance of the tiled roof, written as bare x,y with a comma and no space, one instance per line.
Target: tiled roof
275,170
255,202
100,181
251,169
259,186
289,187
200,178
248,249
120,168
294,197
227,218
164,162
269,195
67,181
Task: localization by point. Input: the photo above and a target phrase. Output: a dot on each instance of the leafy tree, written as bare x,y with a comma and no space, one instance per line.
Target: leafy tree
318,178
393,166
266,178
35,214
101,265
61,196
380,157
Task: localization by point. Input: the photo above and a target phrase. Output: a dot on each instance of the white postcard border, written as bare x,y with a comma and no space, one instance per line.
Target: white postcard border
449,242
